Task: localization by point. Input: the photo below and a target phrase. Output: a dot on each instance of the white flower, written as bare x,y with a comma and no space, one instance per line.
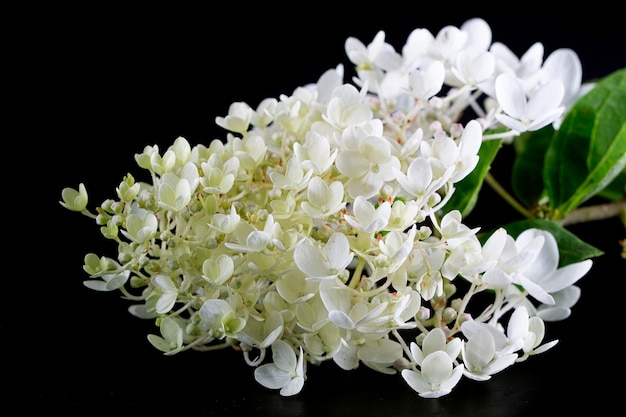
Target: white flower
165,291
481,358
294,177
472,69
323,199
285,373
219,319
368,162
375,350
426,82
238,118
315,154
326,262
395,246
543,276
368,218
346,108
250,239
528,111
317,228
527,332
108,282
262,333
471,139
437,377
174,192
219,176
564,300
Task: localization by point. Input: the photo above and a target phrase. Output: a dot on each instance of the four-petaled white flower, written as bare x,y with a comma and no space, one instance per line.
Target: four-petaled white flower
438,373
323,199
528,111
368,218
324,262
286,372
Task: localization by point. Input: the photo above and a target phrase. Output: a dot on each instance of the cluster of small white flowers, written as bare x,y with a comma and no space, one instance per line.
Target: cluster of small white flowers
315,231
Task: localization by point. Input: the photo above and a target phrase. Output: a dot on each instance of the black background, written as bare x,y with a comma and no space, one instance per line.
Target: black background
95,85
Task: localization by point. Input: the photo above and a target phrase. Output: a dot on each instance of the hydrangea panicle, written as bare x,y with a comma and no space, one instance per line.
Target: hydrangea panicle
319,229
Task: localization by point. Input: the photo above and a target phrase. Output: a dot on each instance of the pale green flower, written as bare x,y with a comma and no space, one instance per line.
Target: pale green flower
219,176
141,229
166,293
261,334
75,200
238,118
174,192
171,339
128,189
294,177
217,271
108,282
219,318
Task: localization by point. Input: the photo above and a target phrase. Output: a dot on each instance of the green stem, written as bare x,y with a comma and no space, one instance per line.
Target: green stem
493,183
356,276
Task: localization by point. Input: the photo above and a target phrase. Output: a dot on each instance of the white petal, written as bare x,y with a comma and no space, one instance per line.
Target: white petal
416,381
338,252
341,319
311,260
545,100
566,276
270,376
511,96
479,350
283,355
293,387
500,363
437,367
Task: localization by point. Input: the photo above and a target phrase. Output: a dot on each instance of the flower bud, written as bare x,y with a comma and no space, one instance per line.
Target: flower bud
423,314
465,317
449,314
137,282
448,288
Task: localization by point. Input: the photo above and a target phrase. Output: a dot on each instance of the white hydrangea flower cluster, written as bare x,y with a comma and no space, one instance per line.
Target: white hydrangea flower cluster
315,232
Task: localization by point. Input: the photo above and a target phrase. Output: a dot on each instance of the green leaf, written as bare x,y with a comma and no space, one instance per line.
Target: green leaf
616,190
526,176
466,193
589,149
571,248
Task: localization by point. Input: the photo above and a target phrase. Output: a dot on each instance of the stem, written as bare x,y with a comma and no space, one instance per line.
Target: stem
493,183
356,276
595,212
